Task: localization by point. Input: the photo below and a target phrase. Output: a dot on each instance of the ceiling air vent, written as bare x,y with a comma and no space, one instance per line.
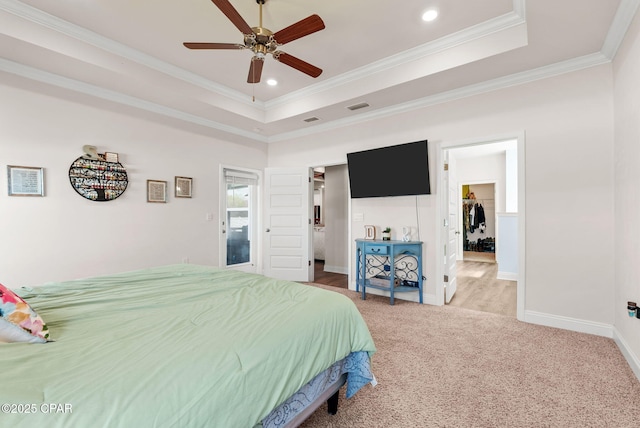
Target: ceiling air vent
358,106
311,119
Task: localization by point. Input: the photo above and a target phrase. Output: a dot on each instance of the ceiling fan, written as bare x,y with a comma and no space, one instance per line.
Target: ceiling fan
262,41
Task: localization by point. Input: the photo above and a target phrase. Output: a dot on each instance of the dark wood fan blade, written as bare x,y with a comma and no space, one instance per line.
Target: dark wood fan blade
195,45
298,64
309,25
255,70
233,15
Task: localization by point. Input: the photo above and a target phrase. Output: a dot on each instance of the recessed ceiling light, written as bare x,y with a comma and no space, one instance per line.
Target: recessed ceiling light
272,82
430,15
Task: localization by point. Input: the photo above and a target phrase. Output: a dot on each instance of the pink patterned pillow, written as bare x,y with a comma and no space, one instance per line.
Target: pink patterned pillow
18,322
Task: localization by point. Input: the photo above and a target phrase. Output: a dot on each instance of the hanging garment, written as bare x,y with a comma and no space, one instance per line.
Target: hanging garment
480,218
472,218
465,217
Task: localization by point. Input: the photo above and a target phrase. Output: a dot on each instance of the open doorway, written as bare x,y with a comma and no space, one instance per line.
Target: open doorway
488,175
330,230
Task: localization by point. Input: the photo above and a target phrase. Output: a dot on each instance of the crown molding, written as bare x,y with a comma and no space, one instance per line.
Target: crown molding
120,98
615,36
77,32
516,79
520,8
475,32
618,29
455,94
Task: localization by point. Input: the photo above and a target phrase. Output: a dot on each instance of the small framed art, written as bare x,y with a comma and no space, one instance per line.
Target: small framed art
183,187
25,180
111,157
156,191
369,232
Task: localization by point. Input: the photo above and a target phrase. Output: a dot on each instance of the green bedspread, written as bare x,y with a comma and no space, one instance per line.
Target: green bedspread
173,346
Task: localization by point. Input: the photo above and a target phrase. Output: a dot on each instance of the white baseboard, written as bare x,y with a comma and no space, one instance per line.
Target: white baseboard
632,359
566,323
508,276
582,326
429,299
336,269
410,296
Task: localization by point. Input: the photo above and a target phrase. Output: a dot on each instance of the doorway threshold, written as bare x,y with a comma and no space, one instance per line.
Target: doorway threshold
477,256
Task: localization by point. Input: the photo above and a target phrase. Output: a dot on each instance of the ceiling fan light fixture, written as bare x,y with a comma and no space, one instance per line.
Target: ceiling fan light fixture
272,82
262,41
430,15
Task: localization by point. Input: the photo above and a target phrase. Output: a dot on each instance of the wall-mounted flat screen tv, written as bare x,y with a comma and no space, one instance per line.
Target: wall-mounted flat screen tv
390,171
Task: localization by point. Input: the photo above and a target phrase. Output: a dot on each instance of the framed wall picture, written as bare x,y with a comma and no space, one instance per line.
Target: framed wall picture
156,191
369,232
110,157
25,180
183,187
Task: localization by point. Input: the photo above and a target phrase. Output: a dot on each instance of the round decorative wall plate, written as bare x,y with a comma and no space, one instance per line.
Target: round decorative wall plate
98,180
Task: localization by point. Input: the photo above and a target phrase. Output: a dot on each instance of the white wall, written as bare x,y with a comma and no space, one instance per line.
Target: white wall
627,194
511,180
64,236
568,123
507,246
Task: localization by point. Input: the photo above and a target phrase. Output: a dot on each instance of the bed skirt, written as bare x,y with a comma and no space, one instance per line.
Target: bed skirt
355,369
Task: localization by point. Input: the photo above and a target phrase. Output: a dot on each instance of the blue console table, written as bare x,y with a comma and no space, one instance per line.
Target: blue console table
393,266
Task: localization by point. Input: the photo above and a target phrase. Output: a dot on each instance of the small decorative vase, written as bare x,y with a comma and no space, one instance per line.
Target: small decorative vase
386,236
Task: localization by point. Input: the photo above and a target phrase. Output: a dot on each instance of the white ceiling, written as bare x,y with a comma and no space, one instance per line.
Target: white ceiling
128,55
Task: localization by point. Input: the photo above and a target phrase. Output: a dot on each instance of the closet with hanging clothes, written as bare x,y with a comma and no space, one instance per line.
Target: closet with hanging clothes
478,213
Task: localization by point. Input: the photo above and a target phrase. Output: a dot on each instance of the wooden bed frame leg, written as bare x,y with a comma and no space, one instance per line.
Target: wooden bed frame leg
332,403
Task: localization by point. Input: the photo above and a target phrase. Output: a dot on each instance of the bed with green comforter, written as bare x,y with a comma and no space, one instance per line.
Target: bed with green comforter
173,346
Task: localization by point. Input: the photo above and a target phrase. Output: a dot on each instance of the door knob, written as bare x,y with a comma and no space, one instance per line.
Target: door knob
268,230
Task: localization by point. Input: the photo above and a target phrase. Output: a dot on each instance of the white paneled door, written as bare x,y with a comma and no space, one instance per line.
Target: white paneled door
288,224
451,230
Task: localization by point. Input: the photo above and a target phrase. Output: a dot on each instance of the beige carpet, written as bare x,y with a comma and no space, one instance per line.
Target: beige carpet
454,367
